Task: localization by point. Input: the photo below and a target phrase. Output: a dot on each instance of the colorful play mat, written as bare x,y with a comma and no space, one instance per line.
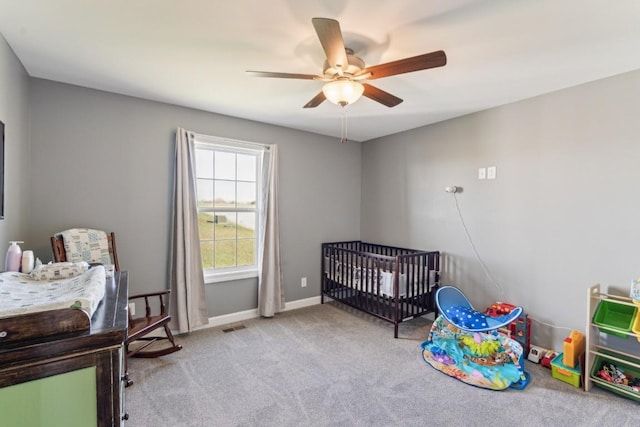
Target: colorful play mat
466,345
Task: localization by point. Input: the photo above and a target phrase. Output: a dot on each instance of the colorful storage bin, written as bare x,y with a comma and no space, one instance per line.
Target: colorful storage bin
623,390
616,316
564,373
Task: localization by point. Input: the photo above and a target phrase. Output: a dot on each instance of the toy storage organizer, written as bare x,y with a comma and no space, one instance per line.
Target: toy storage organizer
617,316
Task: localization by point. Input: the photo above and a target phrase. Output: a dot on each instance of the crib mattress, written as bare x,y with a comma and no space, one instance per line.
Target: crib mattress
20,294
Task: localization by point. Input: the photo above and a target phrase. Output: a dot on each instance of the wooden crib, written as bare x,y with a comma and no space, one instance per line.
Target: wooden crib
390,283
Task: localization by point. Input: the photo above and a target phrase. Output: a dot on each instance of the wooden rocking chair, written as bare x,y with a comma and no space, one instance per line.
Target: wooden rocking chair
142,329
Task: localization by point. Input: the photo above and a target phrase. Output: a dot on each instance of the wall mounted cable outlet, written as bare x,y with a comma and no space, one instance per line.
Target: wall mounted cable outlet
451,189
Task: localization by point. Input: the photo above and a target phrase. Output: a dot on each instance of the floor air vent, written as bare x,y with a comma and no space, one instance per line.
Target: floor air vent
234,328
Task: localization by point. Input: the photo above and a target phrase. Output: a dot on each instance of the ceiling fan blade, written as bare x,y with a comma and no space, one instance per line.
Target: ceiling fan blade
317,100
285,75
330,36
407,65
379,95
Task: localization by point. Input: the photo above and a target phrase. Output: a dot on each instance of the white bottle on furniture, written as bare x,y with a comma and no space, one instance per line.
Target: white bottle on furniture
27,261
14,257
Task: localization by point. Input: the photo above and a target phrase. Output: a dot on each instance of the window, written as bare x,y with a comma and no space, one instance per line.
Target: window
228,186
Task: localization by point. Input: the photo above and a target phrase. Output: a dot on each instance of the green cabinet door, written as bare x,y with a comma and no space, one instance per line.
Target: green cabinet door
64,400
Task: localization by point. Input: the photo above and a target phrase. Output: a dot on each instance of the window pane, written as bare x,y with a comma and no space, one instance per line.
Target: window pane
206,249
205,193
227,182
225,165
246,167
225,225
246,225
225,192
206,225
225,253
204,163
246,194
246,252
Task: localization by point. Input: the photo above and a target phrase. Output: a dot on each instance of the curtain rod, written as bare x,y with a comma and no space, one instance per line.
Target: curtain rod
212,138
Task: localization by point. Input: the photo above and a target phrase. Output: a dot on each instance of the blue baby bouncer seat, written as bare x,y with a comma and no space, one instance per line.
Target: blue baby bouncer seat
465,344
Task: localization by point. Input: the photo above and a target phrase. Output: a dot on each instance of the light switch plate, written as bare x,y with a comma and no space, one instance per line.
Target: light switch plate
482,173
491,172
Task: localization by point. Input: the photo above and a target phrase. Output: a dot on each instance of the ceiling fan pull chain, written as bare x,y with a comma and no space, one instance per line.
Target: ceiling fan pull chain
343,138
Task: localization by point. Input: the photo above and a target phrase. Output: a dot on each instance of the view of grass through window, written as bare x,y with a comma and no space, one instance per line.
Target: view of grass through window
227,194
225,243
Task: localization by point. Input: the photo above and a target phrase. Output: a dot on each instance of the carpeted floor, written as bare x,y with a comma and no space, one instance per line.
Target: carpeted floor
328,365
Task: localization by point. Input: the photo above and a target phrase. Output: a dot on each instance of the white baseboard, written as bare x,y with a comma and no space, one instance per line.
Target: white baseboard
240,316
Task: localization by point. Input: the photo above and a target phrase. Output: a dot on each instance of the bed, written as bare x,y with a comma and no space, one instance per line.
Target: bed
393,284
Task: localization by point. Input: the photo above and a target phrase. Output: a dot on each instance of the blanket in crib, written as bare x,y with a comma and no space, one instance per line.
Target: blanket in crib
21,294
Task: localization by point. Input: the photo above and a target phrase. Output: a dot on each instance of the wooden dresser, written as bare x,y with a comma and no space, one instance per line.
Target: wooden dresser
60,368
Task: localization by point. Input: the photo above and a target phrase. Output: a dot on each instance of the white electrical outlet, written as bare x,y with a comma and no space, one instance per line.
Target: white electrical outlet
132,308
303,282
491,172
482,173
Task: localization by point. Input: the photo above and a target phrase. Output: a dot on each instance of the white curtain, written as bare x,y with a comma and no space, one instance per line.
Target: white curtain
270,283
188,300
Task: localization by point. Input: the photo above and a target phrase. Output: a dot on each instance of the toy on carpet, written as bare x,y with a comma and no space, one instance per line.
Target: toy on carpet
536,354
478,346
457,309
548,358
519,329
465,344
573,347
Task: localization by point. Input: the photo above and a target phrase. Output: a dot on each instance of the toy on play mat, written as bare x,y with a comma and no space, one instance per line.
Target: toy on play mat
458,311
465,344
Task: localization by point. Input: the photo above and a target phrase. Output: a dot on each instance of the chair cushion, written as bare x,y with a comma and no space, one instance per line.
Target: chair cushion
85,244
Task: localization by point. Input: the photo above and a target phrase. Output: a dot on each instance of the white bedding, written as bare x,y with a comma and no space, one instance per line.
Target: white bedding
20,294
348,274
351,275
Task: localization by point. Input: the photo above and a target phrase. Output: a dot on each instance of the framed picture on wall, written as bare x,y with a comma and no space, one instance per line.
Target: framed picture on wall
1,170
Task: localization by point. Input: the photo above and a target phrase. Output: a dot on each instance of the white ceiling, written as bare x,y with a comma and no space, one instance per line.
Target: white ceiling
194,53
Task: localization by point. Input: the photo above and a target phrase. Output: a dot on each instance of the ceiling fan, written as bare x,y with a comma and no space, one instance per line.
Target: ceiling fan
345,74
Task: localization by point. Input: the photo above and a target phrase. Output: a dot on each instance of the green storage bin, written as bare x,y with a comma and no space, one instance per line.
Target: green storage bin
613,315
564,373
621,390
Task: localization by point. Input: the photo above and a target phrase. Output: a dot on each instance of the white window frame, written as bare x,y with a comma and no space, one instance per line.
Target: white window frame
240,147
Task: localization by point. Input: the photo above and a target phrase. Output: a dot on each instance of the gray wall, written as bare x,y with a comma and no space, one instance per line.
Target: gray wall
106,161
14,113
562,215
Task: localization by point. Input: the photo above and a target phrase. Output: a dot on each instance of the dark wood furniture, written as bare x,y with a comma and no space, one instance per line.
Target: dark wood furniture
53,343
139,335
156,313
390,283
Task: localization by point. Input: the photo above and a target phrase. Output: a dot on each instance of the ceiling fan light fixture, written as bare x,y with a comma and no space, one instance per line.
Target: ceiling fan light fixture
343,92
